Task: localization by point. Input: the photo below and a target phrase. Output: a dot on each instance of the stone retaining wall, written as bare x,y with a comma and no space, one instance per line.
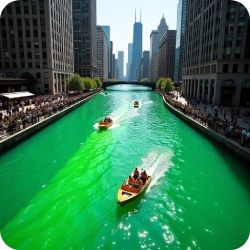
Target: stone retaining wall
234,147
18,137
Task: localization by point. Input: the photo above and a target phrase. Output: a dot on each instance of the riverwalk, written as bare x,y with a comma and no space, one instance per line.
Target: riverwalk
36,118
177,104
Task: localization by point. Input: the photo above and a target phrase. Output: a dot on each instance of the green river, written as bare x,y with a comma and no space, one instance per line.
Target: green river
59,187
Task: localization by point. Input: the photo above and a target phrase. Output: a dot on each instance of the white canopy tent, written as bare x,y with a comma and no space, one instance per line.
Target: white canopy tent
17,94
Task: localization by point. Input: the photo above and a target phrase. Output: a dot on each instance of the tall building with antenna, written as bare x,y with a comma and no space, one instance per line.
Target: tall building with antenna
137,48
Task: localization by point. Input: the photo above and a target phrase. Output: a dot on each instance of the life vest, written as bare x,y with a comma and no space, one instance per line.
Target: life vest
131,180
139,181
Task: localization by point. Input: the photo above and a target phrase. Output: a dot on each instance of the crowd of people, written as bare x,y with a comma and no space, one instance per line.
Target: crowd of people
23,112
216,120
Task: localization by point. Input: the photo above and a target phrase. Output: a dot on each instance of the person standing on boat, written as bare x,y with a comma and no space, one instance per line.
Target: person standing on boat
136,173
144,177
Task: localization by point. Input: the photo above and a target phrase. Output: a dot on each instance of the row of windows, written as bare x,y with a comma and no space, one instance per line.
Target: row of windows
26,33
22,44
227,68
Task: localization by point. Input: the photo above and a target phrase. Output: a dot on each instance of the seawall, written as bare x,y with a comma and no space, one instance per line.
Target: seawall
22,135
234,147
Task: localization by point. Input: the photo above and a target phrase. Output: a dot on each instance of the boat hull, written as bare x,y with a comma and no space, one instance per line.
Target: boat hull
127,193
104,125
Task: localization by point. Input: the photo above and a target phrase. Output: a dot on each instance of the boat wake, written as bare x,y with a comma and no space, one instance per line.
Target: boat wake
157,163
146,103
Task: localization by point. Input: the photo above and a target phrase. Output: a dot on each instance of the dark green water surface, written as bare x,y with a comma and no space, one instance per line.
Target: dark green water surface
59,188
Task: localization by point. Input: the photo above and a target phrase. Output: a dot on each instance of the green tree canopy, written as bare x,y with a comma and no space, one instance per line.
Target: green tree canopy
168,85
88,83
75,83
160,82
144,80
98,82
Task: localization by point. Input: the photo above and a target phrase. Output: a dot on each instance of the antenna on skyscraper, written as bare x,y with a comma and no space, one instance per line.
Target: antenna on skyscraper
135,15
140,15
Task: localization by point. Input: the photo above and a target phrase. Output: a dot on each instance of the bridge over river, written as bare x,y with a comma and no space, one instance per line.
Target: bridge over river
148,84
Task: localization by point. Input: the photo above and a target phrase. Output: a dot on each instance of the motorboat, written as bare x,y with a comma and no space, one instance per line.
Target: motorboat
128,192
105,123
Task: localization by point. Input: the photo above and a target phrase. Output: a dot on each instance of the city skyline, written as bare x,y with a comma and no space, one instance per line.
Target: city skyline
120,16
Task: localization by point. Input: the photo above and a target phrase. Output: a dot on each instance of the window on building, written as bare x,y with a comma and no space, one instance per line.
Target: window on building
235,68
27,22
30,65
225,68
246,67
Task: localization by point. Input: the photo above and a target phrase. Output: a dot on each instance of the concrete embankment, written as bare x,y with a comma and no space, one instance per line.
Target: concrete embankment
20,136
232,146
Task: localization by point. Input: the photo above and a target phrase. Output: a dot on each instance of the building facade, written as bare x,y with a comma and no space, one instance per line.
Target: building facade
120,64
84,34
155,38
180,36
106,29
145,65
167,54
102,53
128,65
36,43
217,53
137,50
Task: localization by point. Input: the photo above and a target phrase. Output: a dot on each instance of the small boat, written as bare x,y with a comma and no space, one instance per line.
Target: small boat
136,104
105,123
128,193
106,93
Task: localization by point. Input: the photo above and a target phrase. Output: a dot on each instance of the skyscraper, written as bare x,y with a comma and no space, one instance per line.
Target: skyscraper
167,54
128,66
36,43
84,28
145,65
180,35
120,64
107,32
137,49
102,54
217,52
155,38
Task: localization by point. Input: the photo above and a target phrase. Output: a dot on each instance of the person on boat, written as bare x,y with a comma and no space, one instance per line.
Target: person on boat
138,182
136,174
131,180
144,177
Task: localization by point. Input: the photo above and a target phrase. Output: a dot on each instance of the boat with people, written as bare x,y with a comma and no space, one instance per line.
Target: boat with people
133,187
105,123
136,104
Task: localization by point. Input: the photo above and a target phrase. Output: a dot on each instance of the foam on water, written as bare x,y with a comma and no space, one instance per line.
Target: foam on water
157,163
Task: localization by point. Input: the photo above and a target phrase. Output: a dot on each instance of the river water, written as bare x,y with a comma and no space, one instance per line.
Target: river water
59,188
